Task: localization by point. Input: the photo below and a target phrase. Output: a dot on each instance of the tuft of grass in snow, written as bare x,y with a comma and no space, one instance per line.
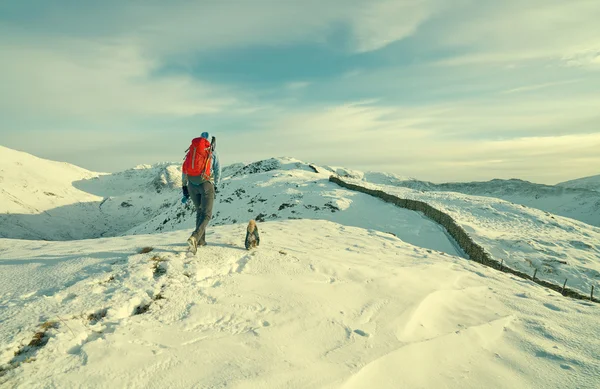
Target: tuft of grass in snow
141,309
146,250
48,325
157,259
39,339
95,317
157,269
109,279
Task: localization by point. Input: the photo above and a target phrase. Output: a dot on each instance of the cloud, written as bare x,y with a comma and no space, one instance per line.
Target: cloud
91,80
471,140
523,101
297,85
182,27
514,31
381,23
536,87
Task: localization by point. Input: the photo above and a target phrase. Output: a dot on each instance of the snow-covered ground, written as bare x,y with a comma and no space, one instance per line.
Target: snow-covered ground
578,199
318,305
286,188
345,291
525,238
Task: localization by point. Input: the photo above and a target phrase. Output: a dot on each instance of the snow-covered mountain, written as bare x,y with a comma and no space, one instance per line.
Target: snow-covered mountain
589,183
34,194
47,200
286,188
574,200
147,199
526,239
345,291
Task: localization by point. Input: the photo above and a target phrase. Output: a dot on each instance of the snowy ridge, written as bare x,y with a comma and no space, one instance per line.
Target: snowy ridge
574,200
286,188
42,199
359,293
588,183
33,185
525,239
318,305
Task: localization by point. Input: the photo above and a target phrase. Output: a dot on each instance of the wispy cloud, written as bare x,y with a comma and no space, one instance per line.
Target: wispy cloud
514,31
462,90
531,88
97,80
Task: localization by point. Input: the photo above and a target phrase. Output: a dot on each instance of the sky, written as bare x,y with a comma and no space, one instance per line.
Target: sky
439,90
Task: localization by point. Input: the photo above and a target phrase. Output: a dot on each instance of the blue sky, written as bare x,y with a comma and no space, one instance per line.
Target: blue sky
438,90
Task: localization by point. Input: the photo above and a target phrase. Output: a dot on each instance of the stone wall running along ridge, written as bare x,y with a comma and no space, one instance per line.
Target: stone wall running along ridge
474,251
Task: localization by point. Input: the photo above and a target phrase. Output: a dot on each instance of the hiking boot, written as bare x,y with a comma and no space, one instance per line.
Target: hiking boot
193,243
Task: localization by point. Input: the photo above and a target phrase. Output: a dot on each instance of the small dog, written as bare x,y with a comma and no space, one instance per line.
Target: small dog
252,236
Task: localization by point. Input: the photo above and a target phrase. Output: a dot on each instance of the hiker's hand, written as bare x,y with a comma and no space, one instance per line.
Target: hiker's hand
186,195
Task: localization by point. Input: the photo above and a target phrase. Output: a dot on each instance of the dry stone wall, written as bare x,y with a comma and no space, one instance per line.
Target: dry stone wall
474,251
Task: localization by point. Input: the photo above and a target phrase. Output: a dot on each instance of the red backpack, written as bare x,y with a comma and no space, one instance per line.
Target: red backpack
198,161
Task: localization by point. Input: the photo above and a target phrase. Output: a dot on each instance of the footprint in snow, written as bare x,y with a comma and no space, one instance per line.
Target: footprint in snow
552,307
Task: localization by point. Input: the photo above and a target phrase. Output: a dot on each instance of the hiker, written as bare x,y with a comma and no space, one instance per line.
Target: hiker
201,173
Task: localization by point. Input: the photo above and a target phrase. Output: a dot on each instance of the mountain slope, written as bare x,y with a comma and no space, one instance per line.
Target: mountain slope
31,185
286,188
146,199
317,305
589,183
524,238
564,200
42,199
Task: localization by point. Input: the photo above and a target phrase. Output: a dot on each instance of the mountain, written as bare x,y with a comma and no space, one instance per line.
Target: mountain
42,199
345,290
589,183
147,199
286,188
317,305
33,185
526,239
573,201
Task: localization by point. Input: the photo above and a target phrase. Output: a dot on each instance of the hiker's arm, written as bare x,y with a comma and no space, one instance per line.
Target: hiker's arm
184,179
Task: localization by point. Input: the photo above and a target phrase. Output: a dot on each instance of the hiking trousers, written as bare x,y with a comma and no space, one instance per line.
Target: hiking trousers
203,197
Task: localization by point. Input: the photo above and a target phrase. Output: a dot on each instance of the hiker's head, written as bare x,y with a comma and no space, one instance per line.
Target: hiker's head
204,135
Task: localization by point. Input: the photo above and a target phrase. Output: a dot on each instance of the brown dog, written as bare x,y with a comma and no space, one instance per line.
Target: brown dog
252,236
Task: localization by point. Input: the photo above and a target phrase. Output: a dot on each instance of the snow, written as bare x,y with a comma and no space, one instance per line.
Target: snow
319,304
34,185
574,200
588,183
345,291
286,188
524,238
42,199
147,199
